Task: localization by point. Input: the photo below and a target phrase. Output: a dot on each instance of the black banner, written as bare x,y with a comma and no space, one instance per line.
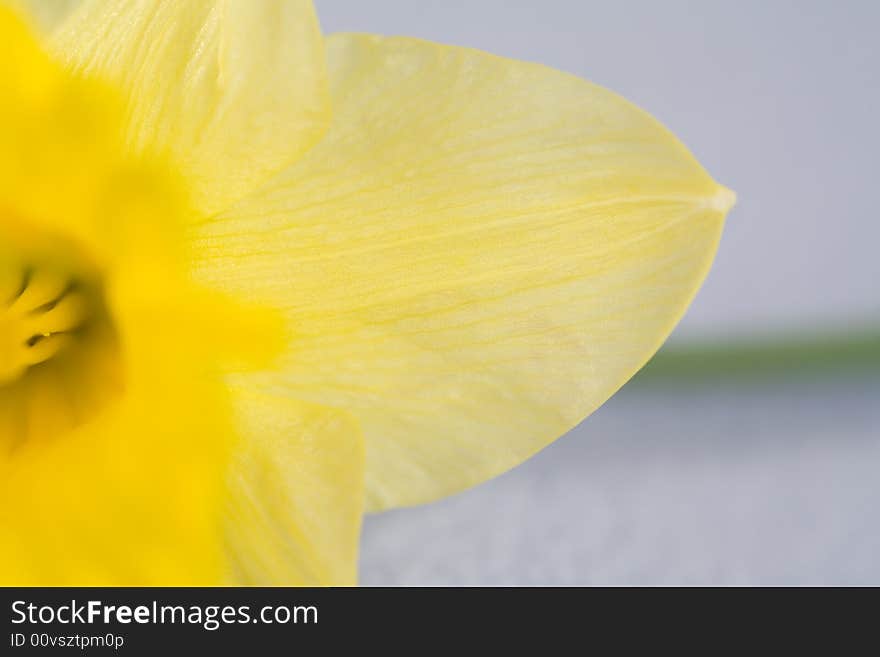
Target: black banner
172,620
268,621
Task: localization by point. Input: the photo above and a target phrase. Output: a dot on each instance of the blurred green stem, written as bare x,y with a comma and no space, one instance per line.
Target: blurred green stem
853,354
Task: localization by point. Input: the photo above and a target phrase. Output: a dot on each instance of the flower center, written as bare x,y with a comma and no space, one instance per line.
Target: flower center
38,320
59,356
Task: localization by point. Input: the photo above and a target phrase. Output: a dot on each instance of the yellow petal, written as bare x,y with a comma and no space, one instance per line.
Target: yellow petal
475,257
233,90
296,493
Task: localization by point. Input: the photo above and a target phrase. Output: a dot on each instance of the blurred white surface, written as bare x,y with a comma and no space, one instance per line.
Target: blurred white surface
779,99
770,485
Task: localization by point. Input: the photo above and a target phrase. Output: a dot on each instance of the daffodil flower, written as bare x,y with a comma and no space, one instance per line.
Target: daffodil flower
254,282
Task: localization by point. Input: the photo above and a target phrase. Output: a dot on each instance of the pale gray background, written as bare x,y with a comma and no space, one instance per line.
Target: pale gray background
739,484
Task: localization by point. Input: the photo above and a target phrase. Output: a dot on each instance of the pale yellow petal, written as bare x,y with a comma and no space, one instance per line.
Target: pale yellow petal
477,255
296,492
233,89
46,15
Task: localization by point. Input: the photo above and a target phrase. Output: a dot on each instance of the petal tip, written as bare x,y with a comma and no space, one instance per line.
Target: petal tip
723,200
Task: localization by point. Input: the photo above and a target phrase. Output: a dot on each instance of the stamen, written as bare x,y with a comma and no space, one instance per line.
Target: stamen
58,344
25,281
34,339
45,348
41,287
51,304
40,321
